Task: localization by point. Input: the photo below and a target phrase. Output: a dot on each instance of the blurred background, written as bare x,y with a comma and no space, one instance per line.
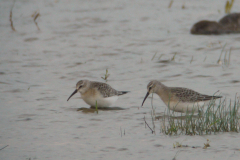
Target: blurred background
56,43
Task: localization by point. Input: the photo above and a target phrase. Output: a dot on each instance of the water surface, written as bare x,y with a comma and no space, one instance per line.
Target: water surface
80,40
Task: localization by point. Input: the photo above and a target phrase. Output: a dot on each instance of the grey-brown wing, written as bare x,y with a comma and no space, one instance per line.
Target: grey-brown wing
105,89
188,95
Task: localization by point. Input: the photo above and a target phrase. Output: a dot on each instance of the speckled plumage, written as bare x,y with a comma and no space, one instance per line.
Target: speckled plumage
177,98
188,95
92,92
105,89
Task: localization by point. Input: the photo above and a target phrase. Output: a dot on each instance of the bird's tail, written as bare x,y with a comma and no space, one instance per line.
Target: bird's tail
216,97
122,92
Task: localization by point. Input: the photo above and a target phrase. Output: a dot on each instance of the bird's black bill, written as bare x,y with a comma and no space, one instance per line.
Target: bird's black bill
145,97
73,94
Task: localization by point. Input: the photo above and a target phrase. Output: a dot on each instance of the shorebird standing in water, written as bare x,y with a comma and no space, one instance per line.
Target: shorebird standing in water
177,98
92,92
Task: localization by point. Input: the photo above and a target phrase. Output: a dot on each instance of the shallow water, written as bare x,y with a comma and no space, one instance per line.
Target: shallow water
80,40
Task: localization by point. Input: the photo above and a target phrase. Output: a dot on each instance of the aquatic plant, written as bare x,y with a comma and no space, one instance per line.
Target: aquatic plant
206,144
221,118
154,56
35,15
121,131
191,60
106,76
3,147
225,61
153,115
11,15
219,60
205,59
96,107
160,56
173,58
228,6
170,4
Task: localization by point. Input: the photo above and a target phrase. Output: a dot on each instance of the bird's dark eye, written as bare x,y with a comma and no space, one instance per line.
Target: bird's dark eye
150,88
80,87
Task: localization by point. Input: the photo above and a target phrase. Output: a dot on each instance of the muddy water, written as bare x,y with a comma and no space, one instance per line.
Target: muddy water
80,40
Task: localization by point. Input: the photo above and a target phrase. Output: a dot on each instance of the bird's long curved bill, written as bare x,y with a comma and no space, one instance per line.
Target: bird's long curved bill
73,94
145,97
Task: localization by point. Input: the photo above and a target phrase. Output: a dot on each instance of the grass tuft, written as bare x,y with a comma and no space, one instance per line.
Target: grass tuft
221,118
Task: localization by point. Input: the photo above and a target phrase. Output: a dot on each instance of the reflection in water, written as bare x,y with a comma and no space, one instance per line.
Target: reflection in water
175,117
25,119
31,39
92,109
80,40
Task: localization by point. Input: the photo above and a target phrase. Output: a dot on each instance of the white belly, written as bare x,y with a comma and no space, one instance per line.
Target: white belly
186,107
101,102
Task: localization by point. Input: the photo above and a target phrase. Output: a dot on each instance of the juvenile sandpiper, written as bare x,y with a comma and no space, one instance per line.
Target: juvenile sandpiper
179,99
92,92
